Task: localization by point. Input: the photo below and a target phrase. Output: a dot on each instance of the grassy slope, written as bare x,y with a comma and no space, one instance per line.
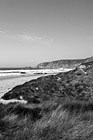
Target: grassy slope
59,108
67,121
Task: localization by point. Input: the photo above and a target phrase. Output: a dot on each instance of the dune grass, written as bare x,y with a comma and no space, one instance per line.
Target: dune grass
66,120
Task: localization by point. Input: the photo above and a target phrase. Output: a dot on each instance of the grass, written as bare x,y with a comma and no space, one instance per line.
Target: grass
59,107
67,120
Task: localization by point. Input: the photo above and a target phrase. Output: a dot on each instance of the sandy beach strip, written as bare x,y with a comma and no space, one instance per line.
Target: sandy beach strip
8,82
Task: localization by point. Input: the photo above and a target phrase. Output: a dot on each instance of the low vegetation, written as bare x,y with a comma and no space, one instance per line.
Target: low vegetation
69,120
59,107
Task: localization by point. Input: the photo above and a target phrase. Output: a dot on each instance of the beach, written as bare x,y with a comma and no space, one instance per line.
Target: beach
12,78
7,83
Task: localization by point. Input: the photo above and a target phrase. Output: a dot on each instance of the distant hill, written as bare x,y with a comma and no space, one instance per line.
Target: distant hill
67,63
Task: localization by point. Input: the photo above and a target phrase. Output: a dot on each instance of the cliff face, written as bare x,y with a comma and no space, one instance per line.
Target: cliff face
63,63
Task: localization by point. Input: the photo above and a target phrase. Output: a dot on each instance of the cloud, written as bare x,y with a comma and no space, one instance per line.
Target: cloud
30,38
35,39
26,37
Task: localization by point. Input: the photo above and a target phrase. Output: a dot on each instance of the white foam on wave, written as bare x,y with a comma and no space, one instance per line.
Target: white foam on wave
31,72
12,101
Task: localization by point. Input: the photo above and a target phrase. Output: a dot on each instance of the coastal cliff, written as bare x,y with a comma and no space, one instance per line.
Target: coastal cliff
66,63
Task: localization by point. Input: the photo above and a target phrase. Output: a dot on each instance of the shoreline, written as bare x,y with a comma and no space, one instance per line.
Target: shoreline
18,76
8,83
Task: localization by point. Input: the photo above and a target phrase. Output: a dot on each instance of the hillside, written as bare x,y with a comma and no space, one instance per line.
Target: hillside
70,63
54,107
77,83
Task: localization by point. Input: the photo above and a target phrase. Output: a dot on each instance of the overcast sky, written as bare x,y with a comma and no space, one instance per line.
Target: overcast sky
33,31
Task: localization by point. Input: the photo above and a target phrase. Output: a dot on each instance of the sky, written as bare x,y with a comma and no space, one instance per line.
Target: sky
35,31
